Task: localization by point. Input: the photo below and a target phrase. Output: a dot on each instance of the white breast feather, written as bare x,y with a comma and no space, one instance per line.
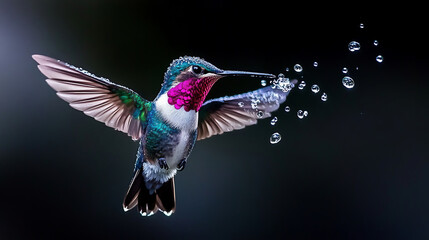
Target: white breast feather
179,118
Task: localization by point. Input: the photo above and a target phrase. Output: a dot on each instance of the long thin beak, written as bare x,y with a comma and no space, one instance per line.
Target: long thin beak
243,73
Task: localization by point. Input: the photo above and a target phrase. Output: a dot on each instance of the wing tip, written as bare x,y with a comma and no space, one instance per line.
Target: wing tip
36,57
42,58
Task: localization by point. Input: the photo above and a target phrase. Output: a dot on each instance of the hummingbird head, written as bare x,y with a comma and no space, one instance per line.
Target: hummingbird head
188,80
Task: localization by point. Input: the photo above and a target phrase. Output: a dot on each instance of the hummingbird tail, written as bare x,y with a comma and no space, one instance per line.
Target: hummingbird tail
164,198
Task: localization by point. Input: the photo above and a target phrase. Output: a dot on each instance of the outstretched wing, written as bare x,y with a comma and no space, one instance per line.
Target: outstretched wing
236,112
117,106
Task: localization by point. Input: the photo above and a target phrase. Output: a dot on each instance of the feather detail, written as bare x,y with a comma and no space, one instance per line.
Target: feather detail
116,106
236,112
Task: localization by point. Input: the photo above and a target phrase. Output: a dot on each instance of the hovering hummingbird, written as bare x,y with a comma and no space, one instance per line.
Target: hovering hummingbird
167,127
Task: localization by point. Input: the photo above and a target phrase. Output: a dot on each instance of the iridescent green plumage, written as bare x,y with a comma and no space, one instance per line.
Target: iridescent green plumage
142,106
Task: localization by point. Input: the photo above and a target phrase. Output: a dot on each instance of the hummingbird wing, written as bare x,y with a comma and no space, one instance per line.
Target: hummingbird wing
226,114
117,106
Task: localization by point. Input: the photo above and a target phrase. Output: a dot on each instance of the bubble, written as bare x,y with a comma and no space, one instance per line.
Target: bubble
274,121
259,114
297,68
361,25
301,114
348,82
379,58
287,69
275,138
345,70
263,83
354,46
287,109
315,64
282,83
301,85
254,103
375,43
324,97
241,104
315,88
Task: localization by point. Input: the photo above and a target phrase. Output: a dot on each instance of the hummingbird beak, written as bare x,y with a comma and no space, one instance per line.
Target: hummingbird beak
225,73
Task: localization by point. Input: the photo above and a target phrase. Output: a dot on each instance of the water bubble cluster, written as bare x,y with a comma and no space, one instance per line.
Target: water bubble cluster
274,121
286,85
81,70
301,114
282,83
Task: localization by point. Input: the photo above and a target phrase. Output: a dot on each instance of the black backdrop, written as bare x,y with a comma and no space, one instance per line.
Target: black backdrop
355,168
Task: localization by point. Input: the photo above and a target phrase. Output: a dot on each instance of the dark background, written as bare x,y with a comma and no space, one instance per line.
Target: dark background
356,168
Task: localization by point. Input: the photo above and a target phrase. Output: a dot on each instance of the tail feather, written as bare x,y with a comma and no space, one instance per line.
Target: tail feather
148,204
166,199
131,198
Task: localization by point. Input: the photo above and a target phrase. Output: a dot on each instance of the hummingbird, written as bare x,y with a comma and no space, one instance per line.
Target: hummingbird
167,127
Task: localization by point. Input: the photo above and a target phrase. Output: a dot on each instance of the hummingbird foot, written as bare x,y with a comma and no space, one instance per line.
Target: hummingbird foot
162,163
181,164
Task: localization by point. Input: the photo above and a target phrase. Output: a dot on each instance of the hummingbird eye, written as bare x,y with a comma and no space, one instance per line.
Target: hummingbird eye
197,69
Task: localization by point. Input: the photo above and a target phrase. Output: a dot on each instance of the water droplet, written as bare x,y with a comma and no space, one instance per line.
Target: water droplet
254,105
263,83
297,68
259,114
345,70
275,138
354,46
241,104
274,121
375,43
301,85
282,83
287,109
324,97
301,114
348,82
315,88
379,58
315,64
361,25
